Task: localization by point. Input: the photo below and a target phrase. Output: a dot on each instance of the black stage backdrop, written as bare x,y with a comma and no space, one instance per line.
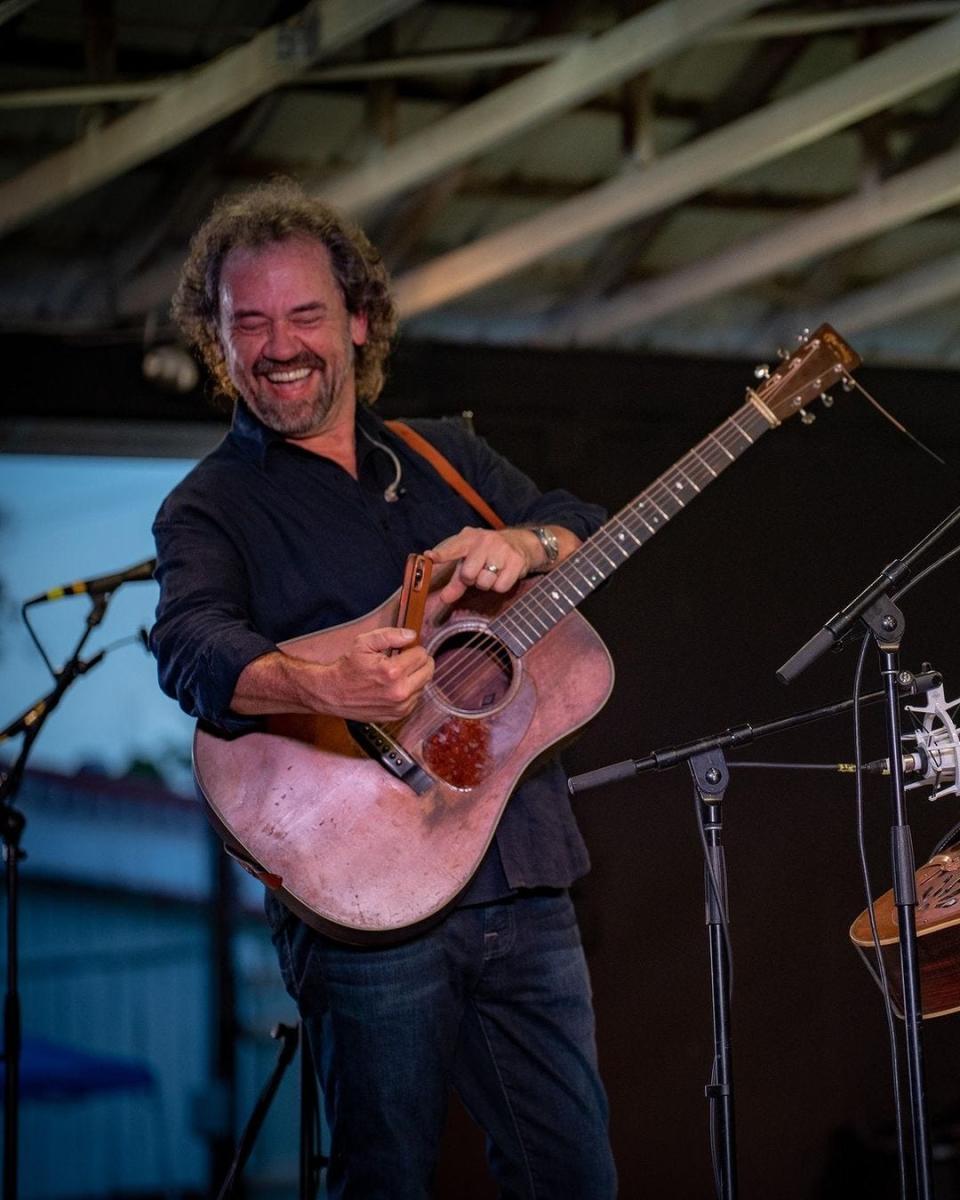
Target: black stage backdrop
698,621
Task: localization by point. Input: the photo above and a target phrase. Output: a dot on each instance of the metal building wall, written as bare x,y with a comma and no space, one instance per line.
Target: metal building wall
113,965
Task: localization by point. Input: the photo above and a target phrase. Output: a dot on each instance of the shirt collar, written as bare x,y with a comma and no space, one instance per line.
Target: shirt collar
254,439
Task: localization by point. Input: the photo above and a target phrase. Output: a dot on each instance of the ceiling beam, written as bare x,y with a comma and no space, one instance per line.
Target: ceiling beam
201,98
583,71
901,198
794,24
484,58
750,86
778,128
881,303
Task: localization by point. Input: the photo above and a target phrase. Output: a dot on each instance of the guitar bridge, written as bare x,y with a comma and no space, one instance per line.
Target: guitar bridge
390,755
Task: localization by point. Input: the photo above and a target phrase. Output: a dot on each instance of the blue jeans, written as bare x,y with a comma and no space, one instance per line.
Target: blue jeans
495,1002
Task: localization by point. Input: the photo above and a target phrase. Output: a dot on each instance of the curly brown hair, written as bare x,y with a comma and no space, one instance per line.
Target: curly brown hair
269,213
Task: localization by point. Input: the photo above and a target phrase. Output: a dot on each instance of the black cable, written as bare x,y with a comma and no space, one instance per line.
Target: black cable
36,641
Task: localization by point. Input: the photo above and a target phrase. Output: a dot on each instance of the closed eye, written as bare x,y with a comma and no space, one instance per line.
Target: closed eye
251,324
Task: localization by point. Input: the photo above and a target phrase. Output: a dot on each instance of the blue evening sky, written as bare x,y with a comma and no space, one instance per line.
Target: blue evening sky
72,518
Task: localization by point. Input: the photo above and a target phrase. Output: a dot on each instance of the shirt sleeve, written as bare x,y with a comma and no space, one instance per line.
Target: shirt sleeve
512,495
203,636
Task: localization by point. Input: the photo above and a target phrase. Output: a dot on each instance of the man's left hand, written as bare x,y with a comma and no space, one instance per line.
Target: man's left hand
489,559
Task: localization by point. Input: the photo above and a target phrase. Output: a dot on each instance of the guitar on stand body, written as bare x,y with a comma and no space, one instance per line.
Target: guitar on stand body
371,832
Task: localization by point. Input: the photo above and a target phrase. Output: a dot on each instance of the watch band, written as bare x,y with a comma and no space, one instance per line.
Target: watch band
548,540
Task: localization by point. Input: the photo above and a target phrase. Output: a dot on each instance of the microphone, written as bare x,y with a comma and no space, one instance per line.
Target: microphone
937,748
99,584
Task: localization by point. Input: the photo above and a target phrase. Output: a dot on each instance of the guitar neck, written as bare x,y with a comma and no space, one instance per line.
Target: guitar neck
555,594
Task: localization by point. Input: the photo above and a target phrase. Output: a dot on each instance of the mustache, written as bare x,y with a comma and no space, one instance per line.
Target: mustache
264,365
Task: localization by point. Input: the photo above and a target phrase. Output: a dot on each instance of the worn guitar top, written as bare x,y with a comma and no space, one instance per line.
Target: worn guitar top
264,541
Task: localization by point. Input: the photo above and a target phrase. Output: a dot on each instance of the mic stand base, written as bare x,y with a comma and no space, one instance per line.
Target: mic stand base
311,1161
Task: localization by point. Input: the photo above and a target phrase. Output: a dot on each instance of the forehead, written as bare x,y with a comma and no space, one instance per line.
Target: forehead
286,273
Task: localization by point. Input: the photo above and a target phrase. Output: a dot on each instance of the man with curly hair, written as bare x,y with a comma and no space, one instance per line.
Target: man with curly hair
301,520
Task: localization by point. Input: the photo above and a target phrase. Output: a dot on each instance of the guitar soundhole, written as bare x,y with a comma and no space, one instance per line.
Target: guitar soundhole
474,672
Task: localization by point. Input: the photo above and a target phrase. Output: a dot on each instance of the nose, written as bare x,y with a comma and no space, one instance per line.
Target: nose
281,343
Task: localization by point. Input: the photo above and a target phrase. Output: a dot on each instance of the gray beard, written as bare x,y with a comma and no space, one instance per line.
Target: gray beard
303,419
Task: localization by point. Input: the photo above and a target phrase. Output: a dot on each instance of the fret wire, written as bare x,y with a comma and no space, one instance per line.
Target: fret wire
735,438
536,617
532,598
733,433
605,541
652,528
623,523
611,561
705,461
649,496
580,556
616,542
665,494
592,579
575,588
694,468
743,431
519,620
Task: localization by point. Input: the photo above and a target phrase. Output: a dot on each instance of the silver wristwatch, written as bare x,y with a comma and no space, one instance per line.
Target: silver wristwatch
548,541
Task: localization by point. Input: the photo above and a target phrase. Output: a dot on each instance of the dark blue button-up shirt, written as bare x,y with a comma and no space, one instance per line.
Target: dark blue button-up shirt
264,541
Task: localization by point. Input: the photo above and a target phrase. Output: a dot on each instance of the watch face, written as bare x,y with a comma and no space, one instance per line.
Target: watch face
549,542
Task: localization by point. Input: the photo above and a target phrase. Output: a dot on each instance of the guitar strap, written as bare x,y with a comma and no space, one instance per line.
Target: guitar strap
446,470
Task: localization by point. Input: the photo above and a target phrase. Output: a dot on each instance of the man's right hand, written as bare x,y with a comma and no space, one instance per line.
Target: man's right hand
371,684
368,683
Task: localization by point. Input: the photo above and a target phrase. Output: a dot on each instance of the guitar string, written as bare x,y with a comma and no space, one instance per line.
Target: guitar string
532,608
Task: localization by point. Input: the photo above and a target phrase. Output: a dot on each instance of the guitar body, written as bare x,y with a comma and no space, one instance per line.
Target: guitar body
365,856
938,937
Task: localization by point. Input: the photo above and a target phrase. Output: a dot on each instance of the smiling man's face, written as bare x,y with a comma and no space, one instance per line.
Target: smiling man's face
287,336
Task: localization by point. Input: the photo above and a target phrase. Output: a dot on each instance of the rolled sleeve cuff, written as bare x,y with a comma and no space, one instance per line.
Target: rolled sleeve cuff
219,674
560,508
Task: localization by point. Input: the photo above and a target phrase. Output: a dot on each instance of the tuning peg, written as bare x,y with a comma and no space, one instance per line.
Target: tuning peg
807,417
762,371
847,384
782,354
803,335
827,399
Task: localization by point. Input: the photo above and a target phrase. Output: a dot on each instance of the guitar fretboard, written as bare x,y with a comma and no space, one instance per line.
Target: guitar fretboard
561,590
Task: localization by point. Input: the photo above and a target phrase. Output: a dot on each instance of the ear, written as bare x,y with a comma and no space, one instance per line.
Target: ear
358,328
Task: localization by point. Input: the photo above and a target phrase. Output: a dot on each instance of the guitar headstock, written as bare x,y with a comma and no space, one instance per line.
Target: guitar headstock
822,360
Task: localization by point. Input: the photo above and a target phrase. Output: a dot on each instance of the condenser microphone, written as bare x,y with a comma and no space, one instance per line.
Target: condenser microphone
99,584
935,748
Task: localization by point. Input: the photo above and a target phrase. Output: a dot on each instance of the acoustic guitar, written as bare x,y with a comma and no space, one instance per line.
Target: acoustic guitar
937,918
370,833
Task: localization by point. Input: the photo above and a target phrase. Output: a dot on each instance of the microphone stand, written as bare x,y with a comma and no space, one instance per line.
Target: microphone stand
874,608
711,775
12,823
710,779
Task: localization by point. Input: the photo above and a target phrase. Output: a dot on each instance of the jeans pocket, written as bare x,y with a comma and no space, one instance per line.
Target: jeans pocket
294,943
